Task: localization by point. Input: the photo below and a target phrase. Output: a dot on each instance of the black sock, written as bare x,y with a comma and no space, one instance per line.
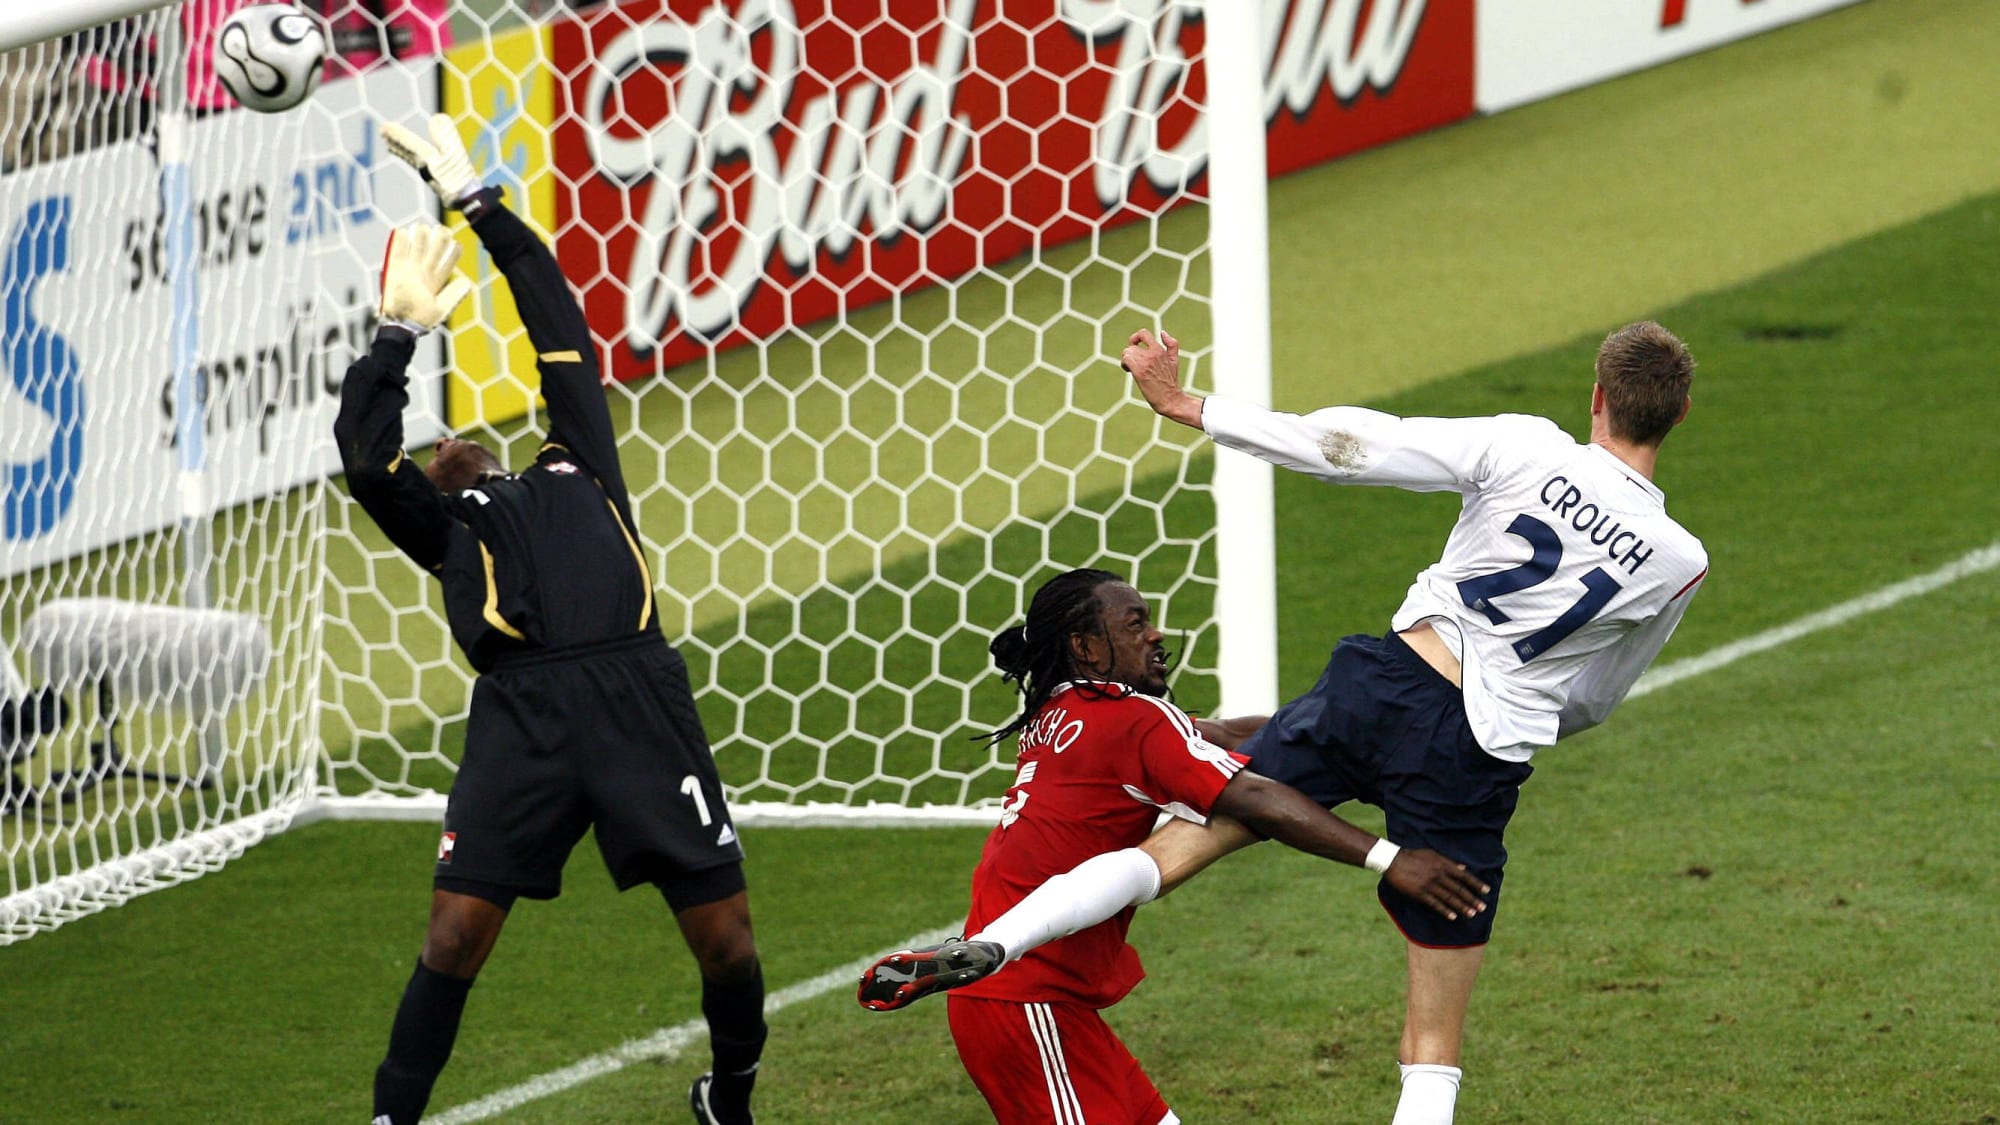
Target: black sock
419,1044
736,1032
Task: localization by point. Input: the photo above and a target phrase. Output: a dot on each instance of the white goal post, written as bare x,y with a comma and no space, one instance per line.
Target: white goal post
859,272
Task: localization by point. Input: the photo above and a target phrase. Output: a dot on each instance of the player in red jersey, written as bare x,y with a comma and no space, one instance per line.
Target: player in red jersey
1102,755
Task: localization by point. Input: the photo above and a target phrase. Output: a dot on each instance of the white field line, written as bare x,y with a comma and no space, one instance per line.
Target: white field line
1972,562
668,1043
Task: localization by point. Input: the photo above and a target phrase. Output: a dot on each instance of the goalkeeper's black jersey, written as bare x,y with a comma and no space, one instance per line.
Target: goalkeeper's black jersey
549,558
542,560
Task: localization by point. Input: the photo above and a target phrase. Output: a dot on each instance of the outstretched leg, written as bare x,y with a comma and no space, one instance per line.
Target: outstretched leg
732,999
1075,900
462,931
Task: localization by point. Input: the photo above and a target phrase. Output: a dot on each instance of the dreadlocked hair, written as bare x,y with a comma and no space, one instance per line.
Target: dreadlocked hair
1035,657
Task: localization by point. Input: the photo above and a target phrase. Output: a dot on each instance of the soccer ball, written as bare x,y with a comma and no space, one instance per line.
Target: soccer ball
270,56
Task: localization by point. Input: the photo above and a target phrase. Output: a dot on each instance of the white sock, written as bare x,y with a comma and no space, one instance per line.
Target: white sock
1078,899
1430,1093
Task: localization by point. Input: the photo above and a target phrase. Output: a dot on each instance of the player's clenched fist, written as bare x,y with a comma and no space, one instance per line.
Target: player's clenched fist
1149,360
1155,366
420,282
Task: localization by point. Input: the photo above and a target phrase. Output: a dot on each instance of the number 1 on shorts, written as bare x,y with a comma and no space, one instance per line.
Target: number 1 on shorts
691,785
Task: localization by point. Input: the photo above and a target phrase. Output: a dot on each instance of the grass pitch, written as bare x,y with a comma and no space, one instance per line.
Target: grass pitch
1758,895
1754,895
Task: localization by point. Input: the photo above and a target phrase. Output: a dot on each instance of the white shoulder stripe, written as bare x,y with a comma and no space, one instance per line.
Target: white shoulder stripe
1198,746
1174,714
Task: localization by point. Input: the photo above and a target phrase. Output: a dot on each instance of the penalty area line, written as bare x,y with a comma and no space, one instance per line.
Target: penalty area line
666,1043
1971,563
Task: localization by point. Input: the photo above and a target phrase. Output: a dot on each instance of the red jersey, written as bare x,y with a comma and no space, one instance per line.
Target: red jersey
1098,763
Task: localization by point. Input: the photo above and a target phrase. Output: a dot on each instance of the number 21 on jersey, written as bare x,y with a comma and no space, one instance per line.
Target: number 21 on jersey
1598,589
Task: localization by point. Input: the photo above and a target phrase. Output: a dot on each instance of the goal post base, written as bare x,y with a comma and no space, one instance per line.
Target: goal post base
117,881
750,814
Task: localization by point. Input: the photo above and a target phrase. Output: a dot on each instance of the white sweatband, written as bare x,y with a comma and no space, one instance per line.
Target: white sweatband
1380,856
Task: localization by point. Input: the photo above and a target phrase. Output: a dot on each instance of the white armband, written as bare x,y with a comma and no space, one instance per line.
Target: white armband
1380,856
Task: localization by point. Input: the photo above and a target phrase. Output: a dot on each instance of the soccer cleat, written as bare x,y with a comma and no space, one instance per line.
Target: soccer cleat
908,975
698,1100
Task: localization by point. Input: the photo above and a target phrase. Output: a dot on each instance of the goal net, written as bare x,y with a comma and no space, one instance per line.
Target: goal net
181,286
859,272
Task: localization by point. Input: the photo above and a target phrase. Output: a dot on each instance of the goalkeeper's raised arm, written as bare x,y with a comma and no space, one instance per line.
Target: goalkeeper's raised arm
420,286
579,421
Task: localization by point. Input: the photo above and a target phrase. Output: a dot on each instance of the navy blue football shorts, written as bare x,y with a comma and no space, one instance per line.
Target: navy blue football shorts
1382,726
602,737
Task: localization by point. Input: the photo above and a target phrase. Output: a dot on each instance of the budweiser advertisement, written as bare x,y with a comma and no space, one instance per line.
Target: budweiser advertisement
728,170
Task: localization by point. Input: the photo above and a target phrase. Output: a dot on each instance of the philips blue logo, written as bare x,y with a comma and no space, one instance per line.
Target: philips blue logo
43,369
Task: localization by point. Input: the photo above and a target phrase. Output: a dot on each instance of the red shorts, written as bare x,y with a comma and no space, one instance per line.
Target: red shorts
1039,1064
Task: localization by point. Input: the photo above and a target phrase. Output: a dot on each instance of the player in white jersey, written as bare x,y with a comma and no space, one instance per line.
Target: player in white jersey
1564,573
1560,583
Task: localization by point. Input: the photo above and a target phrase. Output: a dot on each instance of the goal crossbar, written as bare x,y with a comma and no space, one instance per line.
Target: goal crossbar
29,21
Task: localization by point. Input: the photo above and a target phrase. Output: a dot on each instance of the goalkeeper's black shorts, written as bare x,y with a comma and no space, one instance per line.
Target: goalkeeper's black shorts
605,736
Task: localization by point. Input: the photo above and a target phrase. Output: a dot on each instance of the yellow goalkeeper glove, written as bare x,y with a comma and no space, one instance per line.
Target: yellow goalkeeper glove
443,161
420,285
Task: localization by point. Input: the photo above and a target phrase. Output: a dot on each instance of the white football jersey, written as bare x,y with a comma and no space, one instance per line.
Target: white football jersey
1562,580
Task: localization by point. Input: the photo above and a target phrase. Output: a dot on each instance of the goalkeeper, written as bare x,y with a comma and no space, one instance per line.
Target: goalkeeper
582,714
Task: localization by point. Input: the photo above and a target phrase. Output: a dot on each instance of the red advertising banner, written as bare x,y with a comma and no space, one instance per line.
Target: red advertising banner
729,169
